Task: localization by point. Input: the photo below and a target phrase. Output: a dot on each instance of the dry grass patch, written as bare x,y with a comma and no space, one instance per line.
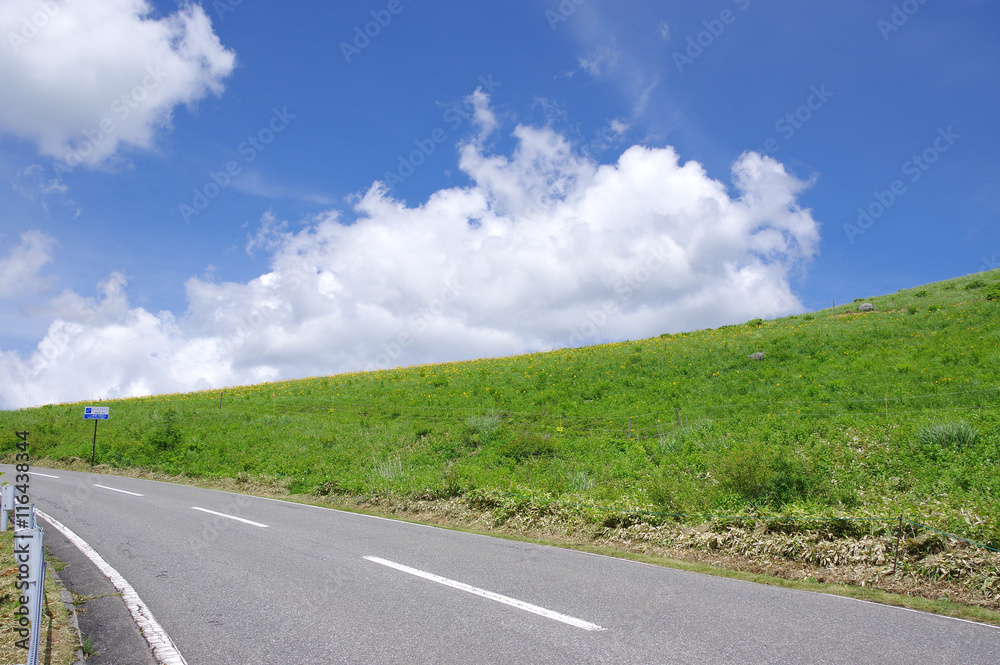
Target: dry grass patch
59,642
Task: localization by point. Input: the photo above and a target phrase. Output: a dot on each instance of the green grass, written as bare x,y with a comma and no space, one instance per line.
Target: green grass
882,413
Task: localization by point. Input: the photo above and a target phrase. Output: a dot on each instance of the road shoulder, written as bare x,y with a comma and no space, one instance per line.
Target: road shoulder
101,612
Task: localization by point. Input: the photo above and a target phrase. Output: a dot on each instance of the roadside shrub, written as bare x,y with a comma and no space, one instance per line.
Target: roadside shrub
387,470
677,491
166,435
481,430
663,497
765,474
975,284
948,435
527,446
326,488
581,481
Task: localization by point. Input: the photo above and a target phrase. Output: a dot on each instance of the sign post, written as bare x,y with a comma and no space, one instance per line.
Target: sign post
96,413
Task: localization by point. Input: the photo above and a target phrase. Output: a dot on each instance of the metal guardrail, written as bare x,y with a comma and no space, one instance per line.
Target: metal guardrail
29,556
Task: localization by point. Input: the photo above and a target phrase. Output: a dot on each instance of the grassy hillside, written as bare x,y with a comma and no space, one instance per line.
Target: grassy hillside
849,413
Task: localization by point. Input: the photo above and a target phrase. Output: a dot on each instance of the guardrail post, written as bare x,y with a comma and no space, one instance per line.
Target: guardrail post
6,503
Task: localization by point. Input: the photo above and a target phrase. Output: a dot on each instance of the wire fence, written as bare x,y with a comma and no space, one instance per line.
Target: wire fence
680,414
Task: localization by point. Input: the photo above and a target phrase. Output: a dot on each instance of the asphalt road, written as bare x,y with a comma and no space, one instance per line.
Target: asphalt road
304,585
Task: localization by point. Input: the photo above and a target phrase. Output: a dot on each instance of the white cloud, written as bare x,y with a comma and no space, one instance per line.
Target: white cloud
600,61
269,235
34,184
544,248
20,269
619,127
483,115
82,77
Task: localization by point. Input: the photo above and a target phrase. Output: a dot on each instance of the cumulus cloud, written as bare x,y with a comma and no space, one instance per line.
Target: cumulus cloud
104,347
20,269
82,77
543,248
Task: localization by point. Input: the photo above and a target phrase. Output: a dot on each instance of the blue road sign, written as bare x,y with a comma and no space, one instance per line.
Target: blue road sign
96,412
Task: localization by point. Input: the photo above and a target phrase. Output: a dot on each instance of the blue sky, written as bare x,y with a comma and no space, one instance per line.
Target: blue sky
206,195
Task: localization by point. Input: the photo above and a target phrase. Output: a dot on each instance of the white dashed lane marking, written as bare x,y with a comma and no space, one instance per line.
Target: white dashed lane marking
105,487
231,517
506,600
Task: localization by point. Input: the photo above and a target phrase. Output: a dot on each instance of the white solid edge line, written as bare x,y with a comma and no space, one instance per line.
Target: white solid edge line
105,487
232,517
468,588
44,475
159,642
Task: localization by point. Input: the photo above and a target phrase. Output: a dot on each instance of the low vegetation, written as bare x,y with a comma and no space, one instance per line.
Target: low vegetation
850,414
